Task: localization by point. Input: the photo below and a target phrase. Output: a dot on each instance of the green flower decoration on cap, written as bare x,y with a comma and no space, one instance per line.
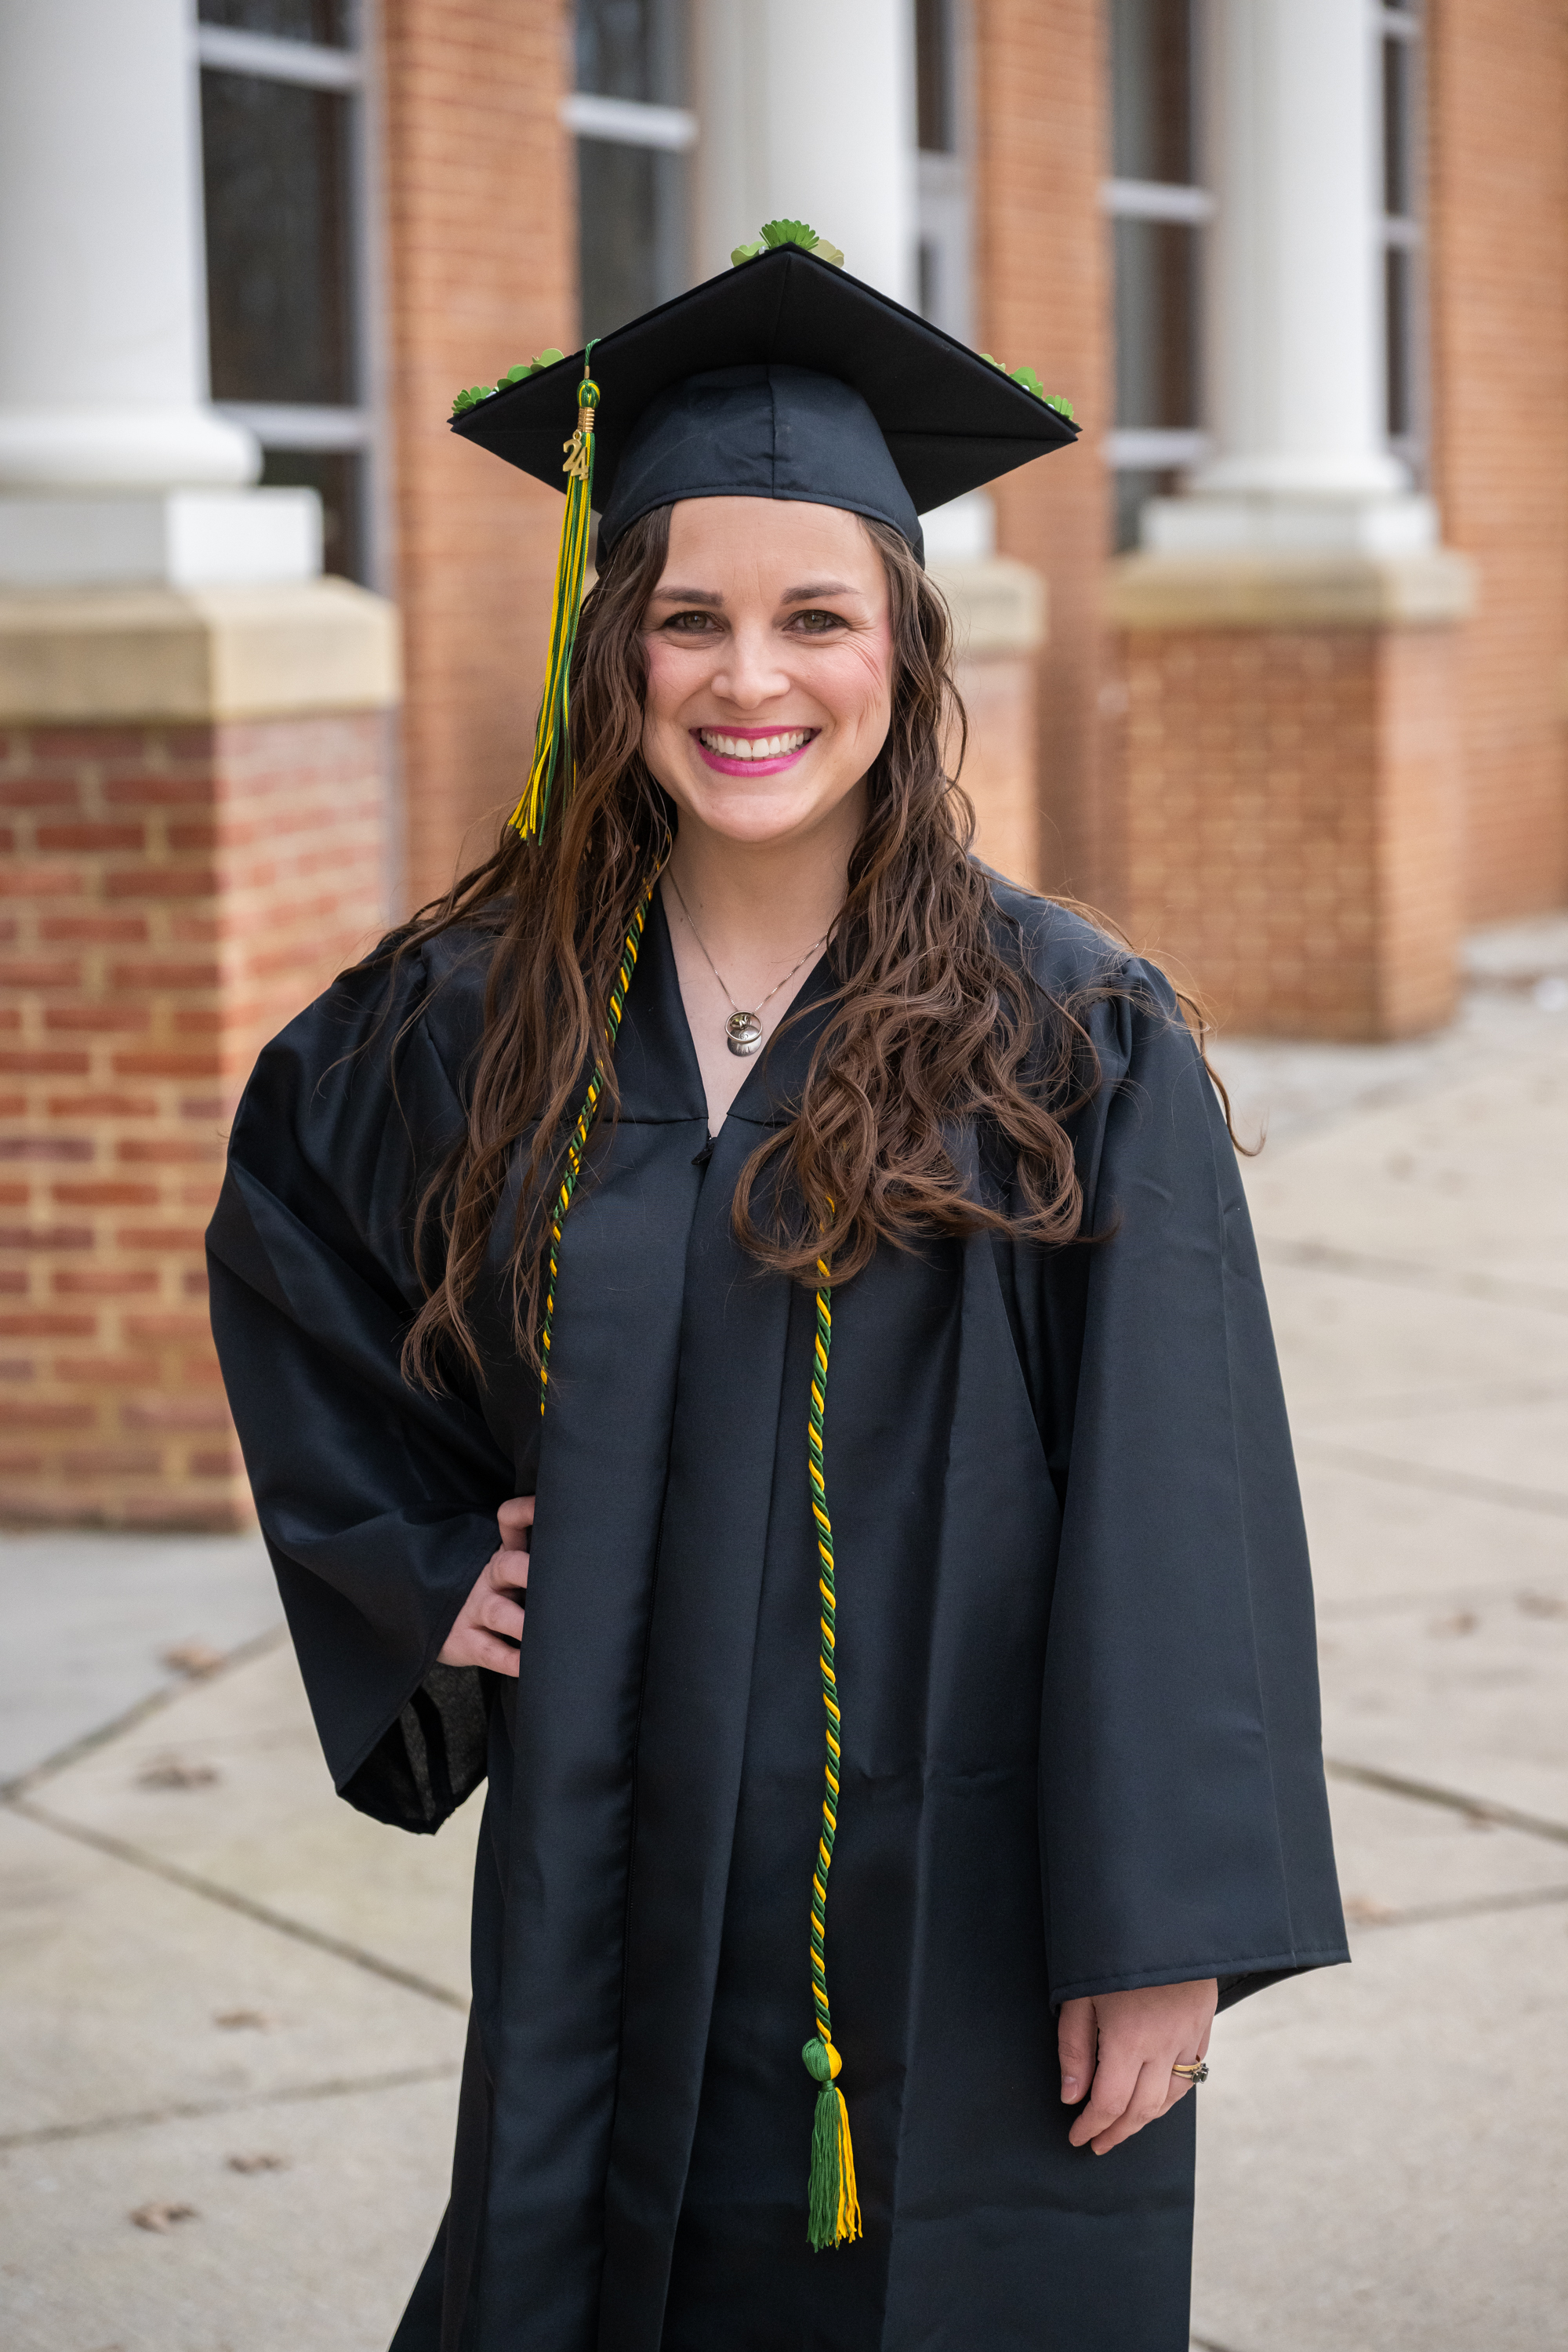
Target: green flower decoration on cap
788,232
1029,381
477,392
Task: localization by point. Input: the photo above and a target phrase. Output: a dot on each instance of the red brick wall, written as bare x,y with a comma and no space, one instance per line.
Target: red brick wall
170,896
1290,806
1499,215
483,271
1043,257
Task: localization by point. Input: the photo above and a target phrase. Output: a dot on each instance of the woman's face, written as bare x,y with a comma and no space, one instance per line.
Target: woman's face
770,661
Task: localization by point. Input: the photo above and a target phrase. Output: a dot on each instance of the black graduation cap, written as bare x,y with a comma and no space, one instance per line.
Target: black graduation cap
783,378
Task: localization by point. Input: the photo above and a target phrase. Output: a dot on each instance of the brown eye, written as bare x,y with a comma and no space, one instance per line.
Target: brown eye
817,625
691,625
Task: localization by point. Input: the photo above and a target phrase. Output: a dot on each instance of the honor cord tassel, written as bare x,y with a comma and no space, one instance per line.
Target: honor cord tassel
834,2207
551,744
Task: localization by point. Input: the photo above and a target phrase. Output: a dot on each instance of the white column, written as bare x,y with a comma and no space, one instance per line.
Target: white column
1293,354
113,464
808,112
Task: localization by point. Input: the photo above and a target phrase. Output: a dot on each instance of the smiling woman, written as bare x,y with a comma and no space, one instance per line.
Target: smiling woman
825,1266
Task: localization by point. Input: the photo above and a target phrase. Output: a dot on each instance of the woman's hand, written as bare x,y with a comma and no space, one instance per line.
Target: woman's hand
489,1622
1118,2048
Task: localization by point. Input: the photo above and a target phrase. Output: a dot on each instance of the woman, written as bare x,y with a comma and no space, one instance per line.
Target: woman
827,1262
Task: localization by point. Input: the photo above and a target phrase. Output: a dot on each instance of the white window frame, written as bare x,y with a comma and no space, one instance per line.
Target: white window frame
1150,450
364,425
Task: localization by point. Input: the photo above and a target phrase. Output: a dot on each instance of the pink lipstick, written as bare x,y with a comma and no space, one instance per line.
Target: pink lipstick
752,750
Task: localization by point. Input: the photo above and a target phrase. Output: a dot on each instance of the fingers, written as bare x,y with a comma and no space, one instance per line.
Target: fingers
472,1645
1077,2032
514,1519
1115,2081
1146,2099
495,1612
505,1571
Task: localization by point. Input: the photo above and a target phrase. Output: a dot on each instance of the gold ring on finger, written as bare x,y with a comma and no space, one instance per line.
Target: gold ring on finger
1198,2072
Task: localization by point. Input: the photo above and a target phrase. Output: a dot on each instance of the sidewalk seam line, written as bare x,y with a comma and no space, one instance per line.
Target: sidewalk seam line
195,2110
319,1941
152,1703
1428,1792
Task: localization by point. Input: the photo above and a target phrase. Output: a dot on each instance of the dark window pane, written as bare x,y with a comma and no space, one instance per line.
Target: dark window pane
1399,339
934,109
280,304
1151,90
632,48
928,259
1156,323
339,476
326,22
1131,489
631,225
1397,126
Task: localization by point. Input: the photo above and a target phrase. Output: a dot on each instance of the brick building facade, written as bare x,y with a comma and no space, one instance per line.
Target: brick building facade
1273,666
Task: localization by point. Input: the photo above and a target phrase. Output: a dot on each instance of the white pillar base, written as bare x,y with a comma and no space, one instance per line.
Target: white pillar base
130,448
1260,522
176,539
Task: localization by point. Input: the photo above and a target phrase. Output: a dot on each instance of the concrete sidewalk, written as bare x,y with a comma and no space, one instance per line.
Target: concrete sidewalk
235,2009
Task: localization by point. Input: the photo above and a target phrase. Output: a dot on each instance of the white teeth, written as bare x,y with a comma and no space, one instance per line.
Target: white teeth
748,747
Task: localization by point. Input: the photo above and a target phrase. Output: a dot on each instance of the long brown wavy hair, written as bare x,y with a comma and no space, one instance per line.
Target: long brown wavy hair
930,1023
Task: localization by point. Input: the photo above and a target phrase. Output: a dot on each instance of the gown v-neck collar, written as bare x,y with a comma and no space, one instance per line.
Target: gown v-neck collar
656,1055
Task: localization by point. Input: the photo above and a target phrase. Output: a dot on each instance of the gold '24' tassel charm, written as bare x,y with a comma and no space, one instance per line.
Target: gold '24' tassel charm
552,744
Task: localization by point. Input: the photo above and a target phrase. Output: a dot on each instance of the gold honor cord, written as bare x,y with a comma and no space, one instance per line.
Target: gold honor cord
834,2208
588,1114
833,2204
551,744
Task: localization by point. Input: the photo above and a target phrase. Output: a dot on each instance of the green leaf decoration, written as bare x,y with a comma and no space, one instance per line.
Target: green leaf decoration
477,392
1027,381
777,233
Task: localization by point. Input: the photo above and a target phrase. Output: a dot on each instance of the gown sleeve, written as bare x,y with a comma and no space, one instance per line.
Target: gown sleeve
377,1500
1184,1818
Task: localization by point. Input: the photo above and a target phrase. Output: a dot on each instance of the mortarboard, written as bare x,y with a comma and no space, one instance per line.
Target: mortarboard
787,379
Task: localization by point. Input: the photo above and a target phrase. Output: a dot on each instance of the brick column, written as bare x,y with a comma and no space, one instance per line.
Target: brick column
998,608
188,859
482,264
1288,802
1041,82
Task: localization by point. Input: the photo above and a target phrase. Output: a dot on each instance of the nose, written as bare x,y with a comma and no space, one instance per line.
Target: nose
749,675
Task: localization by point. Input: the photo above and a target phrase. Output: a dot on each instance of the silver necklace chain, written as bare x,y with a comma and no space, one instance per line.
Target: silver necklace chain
744,1030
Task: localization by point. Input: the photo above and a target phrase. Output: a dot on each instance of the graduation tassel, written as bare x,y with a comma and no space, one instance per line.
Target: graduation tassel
551,746
833,2206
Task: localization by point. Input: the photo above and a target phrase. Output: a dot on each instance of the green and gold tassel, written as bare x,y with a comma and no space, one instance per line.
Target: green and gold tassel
552,744
834,2208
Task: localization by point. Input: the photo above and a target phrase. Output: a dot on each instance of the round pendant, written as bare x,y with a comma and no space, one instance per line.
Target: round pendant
743,1033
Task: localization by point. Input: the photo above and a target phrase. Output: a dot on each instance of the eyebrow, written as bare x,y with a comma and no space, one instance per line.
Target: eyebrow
806,595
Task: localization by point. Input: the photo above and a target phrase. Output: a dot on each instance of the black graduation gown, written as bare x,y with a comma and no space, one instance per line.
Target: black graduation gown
1076,1661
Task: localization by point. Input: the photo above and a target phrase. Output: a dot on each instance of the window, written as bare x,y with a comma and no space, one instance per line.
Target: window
944,275
1403,384
1157,212
634,133
286,180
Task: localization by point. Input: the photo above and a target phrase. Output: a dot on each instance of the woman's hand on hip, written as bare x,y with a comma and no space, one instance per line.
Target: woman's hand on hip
1117,2049
489,1622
